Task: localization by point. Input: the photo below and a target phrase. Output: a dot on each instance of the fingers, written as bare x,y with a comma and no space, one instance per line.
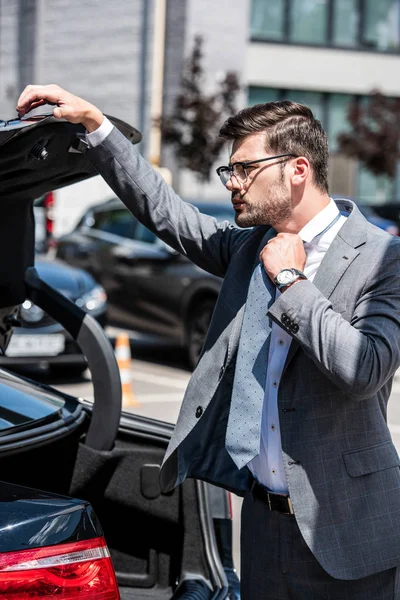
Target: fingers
36,104
36,95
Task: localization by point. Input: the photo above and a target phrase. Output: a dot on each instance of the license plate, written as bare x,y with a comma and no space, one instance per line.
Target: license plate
36,345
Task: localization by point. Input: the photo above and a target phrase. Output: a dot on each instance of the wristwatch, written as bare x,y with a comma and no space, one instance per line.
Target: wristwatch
286,277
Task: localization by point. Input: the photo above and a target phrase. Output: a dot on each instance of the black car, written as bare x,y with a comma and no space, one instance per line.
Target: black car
150,287
38,338
56,448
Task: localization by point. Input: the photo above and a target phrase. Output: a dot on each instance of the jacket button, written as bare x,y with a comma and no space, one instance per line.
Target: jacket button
199,412
294,328
285,319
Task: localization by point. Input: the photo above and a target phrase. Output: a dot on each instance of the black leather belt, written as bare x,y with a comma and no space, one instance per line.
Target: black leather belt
278,502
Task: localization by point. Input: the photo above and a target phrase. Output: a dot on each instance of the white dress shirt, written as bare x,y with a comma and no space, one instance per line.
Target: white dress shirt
268,467
96,137
317,236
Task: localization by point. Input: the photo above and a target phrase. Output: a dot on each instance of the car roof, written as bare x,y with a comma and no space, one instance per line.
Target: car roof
214,207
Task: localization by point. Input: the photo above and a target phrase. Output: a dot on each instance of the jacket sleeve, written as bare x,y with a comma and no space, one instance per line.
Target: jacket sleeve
179,224
358,356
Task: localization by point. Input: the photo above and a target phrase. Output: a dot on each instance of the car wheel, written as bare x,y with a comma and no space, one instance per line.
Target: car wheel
197,328
68,370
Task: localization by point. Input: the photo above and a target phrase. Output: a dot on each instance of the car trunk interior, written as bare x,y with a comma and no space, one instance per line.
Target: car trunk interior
156,540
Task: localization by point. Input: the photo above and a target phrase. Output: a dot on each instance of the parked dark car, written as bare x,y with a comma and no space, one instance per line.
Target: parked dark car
38,338
150,287
162,546
374,218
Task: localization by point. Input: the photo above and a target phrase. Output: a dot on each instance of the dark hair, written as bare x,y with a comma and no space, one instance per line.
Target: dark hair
290,128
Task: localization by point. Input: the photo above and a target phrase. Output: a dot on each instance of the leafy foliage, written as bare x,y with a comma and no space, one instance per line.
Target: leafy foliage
192,128
374,138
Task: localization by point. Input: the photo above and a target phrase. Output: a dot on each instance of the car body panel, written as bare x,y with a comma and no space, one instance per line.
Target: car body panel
35,518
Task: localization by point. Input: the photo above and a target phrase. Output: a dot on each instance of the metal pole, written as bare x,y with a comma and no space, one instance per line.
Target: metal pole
157,80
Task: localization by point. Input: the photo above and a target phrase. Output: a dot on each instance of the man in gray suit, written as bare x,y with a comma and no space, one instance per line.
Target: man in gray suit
287,405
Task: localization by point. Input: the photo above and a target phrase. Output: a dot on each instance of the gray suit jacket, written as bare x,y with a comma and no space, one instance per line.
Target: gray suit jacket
341,465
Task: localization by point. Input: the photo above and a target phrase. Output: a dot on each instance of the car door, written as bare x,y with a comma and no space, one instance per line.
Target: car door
151,283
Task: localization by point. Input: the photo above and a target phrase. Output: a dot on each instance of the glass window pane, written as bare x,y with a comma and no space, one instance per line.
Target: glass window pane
345,22
267,19
142,234
381,26
312,99
259,95
118,222
372,189
308,21
337,117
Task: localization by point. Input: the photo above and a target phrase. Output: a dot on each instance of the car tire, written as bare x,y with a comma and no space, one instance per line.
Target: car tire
68,370
197,327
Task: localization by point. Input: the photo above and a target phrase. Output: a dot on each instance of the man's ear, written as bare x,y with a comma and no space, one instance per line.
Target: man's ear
301,171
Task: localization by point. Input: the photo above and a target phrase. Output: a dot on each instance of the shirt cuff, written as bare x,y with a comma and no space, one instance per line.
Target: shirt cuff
99,135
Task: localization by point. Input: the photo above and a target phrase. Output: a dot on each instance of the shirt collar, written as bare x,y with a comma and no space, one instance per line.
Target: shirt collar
319,223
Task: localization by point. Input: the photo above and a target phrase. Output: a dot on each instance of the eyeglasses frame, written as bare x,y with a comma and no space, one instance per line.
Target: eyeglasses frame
248,163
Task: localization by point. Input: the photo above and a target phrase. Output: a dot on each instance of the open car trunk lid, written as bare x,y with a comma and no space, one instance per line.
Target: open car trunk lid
37,155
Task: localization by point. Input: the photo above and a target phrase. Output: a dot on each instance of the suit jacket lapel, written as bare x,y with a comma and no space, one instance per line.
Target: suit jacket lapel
340,255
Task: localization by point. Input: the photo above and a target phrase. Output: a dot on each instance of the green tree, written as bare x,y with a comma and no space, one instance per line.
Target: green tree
192,127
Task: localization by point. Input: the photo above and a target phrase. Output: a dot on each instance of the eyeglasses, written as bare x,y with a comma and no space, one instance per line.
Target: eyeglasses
239,169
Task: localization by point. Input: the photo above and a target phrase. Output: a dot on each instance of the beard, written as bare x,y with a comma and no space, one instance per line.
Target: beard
277,208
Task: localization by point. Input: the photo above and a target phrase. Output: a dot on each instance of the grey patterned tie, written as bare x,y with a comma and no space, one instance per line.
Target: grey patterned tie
244,423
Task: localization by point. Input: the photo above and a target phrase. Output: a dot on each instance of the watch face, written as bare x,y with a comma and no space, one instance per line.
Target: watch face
285,276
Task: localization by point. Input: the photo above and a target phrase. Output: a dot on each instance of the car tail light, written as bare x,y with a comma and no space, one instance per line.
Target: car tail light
74,571
48,204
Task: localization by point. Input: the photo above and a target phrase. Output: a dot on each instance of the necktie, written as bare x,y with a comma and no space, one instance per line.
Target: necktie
244,423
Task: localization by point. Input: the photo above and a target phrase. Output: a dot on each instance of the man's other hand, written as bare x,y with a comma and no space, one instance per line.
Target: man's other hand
285,251
67,106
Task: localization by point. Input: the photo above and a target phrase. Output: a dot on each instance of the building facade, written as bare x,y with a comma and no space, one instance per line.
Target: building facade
320,52
325,53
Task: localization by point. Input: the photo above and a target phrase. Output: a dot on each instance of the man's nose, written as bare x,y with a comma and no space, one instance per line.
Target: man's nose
233,183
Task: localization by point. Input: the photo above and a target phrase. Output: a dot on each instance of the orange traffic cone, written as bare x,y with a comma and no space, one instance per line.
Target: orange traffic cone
123,356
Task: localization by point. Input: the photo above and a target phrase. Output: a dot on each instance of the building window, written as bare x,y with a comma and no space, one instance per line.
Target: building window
267,19
313,100
338,105
363,24
260,95
346,20
373,190
381,24
308,21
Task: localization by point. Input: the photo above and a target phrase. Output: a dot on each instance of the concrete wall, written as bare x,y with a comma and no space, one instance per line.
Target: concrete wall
321,69
9,76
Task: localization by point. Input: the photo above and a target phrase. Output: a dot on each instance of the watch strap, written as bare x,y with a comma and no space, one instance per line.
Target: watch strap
297,274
